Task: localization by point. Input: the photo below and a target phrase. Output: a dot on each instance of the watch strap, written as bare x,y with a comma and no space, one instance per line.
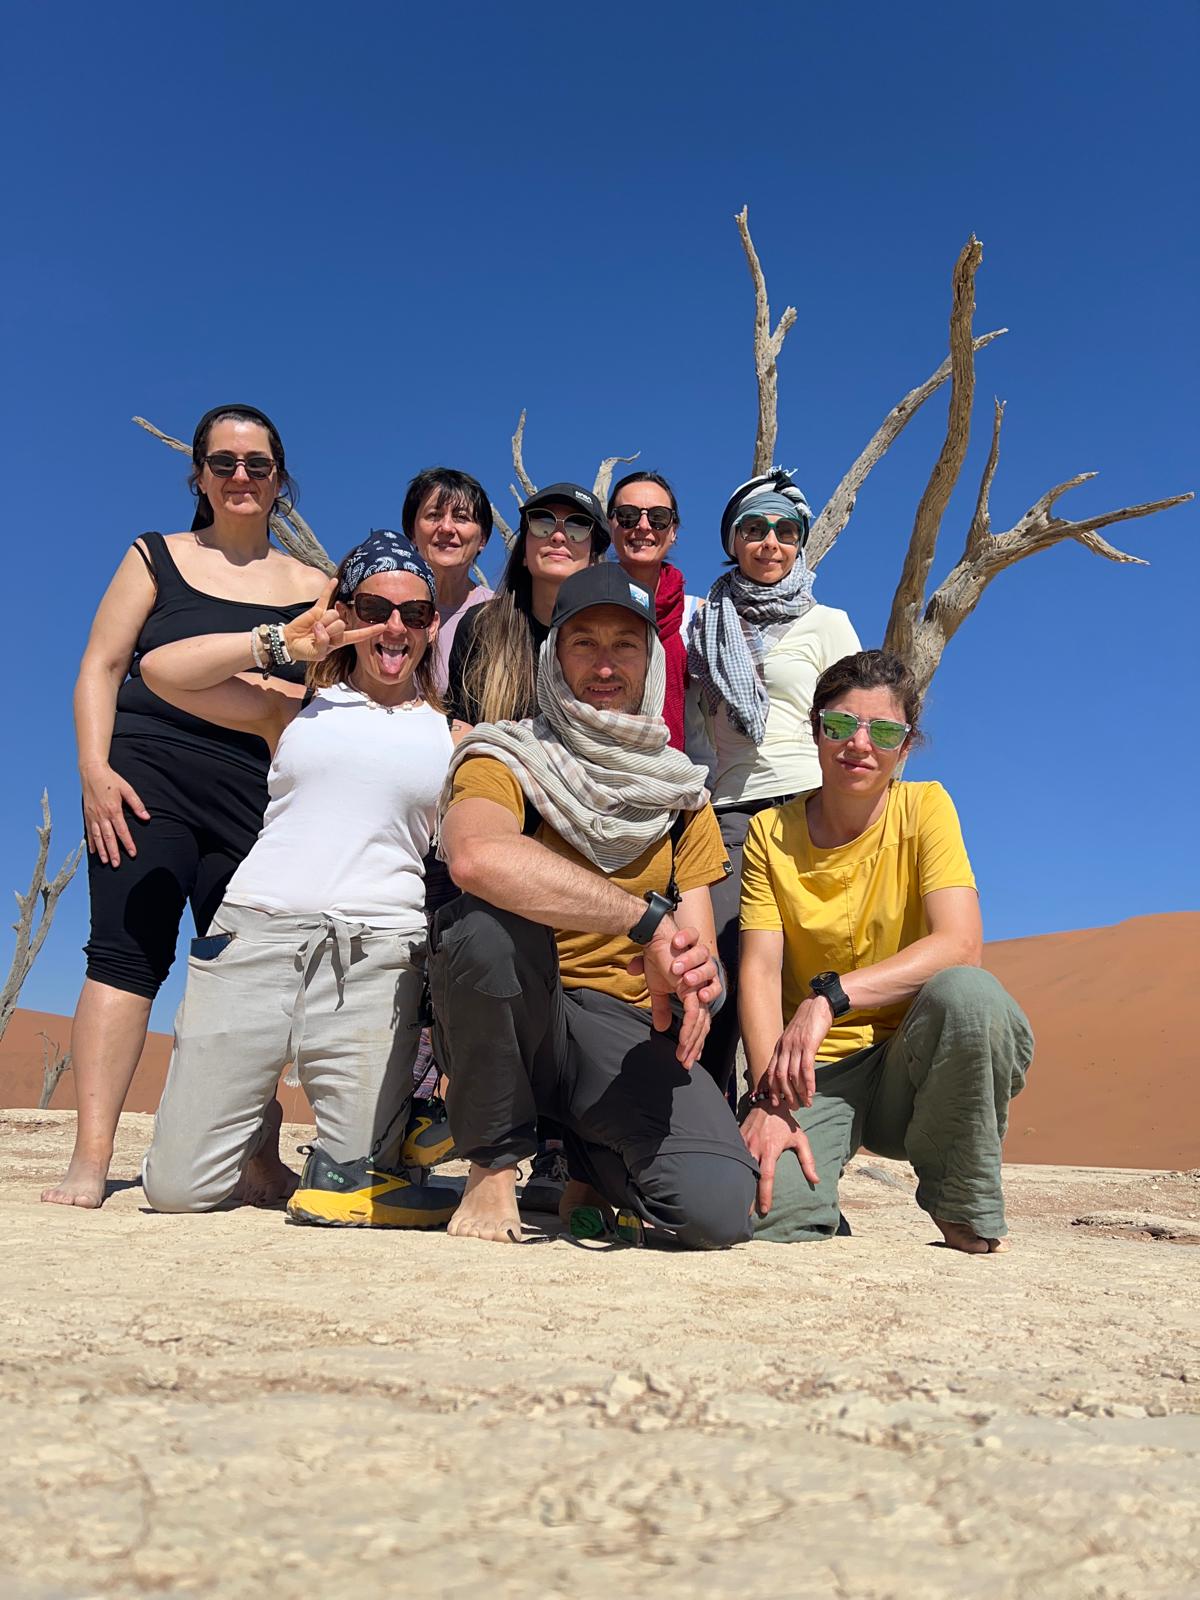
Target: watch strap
646,926
829,986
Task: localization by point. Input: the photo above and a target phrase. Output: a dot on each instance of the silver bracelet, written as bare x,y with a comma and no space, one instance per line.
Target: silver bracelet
256,654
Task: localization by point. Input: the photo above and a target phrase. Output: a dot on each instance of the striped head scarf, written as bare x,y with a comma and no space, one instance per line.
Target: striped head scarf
725,642
608,782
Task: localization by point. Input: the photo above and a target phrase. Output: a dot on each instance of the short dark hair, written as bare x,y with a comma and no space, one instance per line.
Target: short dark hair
869,669
454,488
643,477
288,492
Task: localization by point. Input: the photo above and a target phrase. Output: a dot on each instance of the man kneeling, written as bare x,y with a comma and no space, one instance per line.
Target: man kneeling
572,977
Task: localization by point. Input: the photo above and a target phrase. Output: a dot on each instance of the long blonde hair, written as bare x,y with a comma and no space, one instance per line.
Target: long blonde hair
500,672
339,664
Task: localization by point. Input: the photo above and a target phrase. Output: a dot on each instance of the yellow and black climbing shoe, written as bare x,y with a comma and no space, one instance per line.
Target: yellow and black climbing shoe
428,1139
355,1194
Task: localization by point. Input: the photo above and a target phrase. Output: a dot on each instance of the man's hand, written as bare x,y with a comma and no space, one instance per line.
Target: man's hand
790,1078
677,965
768,1135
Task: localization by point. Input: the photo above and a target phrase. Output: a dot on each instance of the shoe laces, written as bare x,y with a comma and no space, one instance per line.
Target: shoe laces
550,1166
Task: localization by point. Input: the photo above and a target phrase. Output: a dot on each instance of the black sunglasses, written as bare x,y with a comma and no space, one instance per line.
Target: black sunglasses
224,464
378,608
660,518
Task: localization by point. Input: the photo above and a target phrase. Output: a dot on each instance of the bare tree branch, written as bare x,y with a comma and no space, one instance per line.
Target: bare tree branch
175,444
985,557
909,599
981,522
53,1067
288,526
604,475
767,345
840,504
30,938
523,478
506,532
298,539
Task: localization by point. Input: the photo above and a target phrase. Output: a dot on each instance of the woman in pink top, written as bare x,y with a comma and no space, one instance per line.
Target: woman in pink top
448,517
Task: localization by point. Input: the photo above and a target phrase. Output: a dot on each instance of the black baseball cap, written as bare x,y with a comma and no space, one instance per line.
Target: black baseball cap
574,493
605,584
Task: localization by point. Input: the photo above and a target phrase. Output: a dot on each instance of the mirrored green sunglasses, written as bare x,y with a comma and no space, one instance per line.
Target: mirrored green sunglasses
884,735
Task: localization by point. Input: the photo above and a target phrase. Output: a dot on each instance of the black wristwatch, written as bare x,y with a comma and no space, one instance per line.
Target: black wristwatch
829,986
646,925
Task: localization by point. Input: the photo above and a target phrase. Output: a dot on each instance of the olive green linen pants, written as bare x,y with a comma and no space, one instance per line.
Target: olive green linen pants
935,1094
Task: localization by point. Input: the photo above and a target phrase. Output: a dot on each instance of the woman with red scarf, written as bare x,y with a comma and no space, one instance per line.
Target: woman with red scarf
644,517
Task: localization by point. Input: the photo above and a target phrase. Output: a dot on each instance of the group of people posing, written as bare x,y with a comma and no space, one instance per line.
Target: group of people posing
587,829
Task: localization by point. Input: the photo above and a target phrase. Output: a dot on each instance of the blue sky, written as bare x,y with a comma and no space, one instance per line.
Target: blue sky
393,227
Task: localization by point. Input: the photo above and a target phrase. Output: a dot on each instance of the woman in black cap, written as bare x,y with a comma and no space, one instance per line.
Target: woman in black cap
493,665
171,803
755,653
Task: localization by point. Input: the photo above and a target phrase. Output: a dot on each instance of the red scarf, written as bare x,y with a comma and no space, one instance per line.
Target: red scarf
668,604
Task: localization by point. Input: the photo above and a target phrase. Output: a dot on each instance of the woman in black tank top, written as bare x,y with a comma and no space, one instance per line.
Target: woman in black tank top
171,804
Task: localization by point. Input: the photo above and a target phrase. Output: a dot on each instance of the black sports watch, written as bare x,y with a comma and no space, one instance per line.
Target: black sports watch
646,925
829,986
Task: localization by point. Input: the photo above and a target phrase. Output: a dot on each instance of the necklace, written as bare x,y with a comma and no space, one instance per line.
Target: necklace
374,705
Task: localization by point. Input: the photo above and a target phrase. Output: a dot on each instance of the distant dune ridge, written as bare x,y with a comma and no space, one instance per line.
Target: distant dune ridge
1114,1083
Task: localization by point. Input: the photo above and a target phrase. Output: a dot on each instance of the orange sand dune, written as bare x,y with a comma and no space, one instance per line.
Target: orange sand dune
1113,1083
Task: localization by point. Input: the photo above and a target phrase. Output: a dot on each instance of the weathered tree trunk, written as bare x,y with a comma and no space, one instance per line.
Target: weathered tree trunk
53,1067
30,938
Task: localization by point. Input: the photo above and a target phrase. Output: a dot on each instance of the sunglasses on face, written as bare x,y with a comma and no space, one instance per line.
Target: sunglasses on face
660,518
223,463
839,726
786,529
372,608
544,525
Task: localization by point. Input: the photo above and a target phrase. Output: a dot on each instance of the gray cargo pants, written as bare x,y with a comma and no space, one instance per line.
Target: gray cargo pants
648,1135
936,1094
336,998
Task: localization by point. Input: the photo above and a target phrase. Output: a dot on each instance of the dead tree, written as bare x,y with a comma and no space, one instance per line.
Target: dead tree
922,624
54,1064
30,938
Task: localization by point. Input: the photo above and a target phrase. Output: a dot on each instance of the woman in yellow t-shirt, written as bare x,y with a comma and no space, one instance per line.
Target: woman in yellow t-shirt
860,923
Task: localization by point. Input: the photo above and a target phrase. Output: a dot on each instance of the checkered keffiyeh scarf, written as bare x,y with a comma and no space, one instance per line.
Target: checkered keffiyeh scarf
726,646
608,782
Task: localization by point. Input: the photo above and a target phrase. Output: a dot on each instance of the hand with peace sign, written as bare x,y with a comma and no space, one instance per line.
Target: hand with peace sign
322,629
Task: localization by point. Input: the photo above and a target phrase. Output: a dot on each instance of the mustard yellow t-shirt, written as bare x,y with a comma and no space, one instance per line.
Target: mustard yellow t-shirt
855,904
599,960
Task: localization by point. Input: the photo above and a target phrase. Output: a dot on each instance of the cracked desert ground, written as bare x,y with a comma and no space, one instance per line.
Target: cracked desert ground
232,1406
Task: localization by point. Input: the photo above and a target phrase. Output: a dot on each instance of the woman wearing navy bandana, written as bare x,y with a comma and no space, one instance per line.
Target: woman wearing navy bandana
171,804
313,956
755,653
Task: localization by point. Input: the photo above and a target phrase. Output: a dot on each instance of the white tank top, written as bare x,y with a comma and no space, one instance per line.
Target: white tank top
353,792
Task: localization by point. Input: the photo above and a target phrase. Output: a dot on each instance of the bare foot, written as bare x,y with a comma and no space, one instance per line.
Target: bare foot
961,1236
578,1193
83,1185
266,1181
488,1209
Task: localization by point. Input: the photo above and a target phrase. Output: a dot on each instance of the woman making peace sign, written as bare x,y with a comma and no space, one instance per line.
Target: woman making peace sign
310,957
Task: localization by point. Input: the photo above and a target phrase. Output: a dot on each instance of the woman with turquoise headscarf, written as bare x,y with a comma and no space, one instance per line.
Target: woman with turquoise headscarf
755,652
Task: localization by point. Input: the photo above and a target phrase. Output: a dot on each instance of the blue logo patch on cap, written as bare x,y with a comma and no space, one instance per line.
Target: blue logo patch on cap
640,595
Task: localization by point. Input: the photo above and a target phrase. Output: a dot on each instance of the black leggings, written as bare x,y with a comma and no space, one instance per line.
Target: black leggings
205,813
